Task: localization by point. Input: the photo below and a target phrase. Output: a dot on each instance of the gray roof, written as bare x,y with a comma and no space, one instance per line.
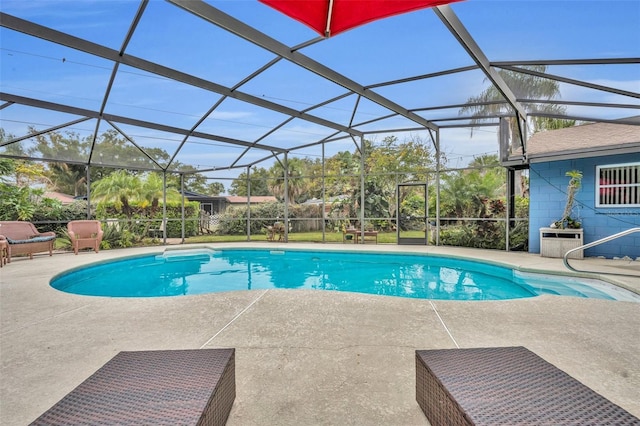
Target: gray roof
587,140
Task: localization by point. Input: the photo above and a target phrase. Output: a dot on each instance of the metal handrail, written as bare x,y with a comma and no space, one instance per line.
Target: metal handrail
565,258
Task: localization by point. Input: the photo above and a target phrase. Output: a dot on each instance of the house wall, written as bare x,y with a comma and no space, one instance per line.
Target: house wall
548,187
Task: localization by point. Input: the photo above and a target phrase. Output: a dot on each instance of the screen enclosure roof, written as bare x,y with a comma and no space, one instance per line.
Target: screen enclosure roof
224,85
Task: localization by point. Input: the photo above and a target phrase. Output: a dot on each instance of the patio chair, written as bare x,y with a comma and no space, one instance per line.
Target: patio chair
270,233
278,228
159,231
85,234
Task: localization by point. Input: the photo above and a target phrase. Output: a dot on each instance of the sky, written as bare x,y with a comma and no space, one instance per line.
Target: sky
411,44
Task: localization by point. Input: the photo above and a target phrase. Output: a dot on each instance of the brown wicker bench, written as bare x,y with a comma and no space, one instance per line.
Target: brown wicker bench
506,386
185,387
23,238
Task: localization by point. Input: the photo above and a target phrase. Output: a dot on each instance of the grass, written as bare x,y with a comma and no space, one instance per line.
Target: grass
308,237
313,237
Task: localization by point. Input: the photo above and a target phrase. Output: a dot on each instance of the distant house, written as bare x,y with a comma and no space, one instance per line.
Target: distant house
219,203
329,203
608,155
234,200
63,198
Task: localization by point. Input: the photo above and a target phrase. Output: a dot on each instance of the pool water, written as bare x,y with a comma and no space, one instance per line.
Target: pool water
199,271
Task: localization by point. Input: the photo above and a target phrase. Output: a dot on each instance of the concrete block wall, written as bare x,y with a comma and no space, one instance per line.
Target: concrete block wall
548,187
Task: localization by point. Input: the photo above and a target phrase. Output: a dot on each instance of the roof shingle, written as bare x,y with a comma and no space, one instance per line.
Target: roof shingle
596,137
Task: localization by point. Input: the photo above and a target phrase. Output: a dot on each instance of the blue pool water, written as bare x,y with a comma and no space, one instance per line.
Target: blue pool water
199,271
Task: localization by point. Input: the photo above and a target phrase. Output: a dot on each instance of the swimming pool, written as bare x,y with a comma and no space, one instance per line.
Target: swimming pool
198,271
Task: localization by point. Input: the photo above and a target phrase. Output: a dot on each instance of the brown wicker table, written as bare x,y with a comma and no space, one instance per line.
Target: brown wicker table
506,386
182,387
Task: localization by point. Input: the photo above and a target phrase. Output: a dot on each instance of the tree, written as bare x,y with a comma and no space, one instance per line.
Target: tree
259,183
312,184
214,188
295,179
464,193
18,201
111,148
151,192
386,163
7,166
123,189
71,177
119,188
491,102
68,178
389,163
342,173
196,182
486,160
545,123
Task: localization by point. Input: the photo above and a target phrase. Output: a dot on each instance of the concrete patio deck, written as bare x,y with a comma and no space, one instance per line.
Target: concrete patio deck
305,357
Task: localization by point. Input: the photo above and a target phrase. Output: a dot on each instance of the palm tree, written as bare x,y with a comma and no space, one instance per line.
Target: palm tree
68,178
151,192
463,193
119,187
295,180
490,103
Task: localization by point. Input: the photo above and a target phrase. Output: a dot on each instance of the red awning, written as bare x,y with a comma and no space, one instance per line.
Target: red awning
331,17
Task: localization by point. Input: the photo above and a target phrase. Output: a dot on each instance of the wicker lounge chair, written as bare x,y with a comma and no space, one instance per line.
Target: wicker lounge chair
171,387
23,238
506,386
276,229
85,234
4,252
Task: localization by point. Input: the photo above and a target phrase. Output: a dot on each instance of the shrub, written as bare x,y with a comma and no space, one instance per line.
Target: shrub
58,215
456,235
117,237
481,234
234,220
519,237
142,219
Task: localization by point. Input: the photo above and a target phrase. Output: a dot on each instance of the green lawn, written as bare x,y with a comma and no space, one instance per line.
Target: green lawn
330,237
310,237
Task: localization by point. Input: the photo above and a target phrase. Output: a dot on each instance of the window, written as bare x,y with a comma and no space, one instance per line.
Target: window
618,185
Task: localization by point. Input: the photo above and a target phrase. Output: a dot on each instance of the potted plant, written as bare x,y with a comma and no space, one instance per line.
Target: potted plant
345,234
566,221
566,233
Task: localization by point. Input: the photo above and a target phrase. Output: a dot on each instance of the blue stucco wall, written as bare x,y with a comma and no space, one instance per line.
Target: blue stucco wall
548,186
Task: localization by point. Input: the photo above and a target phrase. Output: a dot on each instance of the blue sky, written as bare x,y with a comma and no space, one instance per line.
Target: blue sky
407,45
